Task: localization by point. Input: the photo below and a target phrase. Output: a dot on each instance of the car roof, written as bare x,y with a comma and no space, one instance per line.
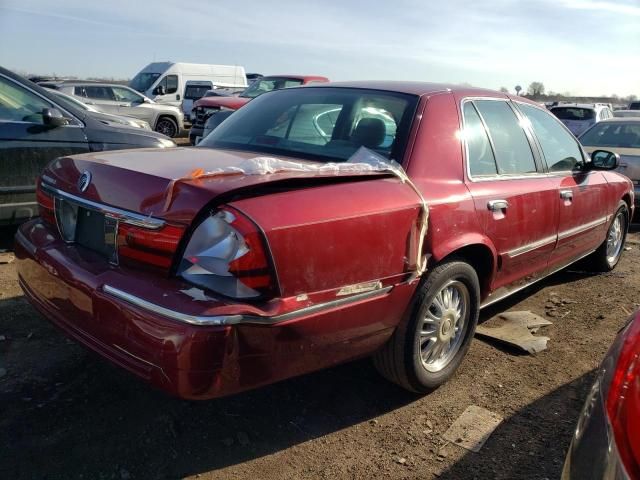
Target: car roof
422,88
305,78
586,106
86,82
622,120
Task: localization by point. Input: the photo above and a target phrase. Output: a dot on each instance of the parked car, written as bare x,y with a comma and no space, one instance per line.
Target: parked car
273,249
106,118
36,127
626,113
122,100
622,136
205,107
579,117
167,82
606,441
214,121
634,106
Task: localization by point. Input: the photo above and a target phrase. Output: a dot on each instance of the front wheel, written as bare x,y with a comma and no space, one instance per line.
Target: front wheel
167,126
607,256
427,348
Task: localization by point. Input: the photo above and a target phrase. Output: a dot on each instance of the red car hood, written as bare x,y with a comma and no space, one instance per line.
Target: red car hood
141,180
233,103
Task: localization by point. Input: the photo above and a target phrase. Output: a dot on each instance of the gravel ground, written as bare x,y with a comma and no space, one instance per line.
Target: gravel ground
65,413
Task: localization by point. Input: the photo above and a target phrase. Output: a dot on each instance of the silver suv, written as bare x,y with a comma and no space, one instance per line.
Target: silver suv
122,100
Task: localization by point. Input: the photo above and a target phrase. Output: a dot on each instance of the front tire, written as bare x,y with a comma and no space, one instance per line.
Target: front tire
607,256
167,126
427,347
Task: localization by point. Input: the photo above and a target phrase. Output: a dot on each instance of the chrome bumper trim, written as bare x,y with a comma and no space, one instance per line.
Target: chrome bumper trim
124,216
221,320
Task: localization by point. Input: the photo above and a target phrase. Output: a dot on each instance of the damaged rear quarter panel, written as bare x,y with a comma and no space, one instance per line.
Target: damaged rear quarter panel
330,236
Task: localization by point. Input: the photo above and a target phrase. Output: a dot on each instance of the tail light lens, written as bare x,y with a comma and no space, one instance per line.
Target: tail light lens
153,248
227,254
623,400
45,205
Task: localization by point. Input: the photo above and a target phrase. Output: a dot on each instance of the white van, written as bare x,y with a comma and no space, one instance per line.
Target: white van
166,82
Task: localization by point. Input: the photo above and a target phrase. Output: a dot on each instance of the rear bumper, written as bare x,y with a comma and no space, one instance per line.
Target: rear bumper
78,291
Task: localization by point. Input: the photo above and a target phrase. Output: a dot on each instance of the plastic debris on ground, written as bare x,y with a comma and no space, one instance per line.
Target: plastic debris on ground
516,329
473,428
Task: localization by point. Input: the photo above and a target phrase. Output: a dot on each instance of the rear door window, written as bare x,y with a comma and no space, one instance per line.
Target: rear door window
95,92
196,92
480,156
574,113
510,144
560,149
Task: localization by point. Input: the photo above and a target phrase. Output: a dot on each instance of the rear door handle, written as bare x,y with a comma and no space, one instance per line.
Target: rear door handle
566,194
497,205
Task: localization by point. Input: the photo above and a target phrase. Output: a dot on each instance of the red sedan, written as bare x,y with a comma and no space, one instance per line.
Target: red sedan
290,240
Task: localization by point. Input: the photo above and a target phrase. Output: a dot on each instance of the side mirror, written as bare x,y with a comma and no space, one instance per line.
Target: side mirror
159,90
52,117
604,160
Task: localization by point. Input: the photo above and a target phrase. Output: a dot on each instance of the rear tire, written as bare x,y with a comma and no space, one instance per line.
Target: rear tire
428,346
167,126
607,256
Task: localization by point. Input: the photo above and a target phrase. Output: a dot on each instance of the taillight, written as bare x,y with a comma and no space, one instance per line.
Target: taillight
146,247
45,205
227,254
623,400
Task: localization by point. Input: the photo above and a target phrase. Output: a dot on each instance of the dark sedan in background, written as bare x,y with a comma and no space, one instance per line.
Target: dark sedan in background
36,127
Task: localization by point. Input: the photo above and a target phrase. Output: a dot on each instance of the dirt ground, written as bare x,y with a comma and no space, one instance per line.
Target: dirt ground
66,413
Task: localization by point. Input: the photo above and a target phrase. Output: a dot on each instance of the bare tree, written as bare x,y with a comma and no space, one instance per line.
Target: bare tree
504,89
536,89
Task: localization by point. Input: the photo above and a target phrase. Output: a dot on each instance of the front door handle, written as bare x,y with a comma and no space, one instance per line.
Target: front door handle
497,205
566,194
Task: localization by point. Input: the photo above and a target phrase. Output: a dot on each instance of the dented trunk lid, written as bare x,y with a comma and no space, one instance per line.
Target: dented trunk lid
140,180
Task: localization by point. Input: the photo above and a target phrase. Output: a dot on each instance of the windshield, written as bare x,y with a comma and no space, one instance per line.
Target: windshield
266,84
618,134
319,123
142,81
574,113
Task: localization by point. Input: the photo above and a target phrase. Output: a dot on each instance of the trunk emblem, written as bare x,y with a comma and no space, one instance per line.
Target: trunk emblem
84,181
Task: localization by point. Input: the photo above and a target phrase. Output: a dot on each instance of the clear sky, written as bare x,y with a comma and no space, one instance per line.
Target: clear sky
586,47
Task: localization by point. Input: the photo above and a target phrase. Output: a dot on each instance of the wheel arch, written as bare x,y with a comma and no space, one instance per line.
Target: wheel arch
477,252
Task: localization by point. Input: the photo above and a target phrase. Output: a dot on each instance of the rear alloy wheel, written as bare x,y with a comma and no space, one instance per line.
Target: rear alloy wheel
428,346
607,256
443,326
167,126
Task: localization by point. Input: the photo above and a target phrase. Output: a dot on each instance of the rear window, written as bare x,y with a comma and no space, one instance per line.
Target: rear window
618,134
573,113
320,123
196,92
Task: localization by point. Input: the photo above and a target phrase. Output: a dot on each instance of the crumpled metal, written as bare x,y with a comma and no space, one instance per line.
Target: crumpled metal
363,162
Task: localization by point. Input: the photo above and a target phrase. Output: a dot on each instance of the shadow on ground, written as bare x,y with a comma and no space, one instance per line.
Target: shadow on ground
549,423
67,413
